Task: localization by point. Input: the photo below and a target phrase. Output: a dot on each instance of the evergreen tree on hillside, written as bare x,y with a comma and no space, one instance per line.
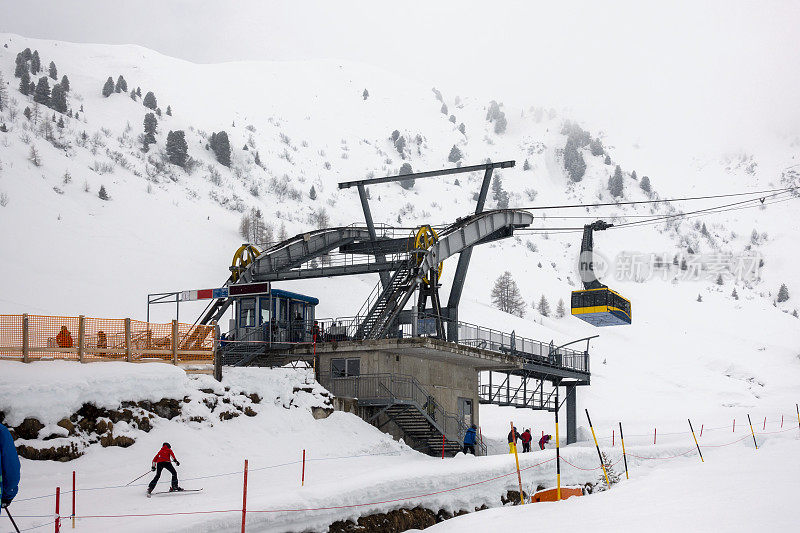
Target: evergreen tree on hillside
544,306
27,112
444,108
53,71
58,99
734,294
499,195
405,168
31,88
221,147
506,295
616,184
121,86
139,92
177,149
560,309
102,194
645,185
455,155
108,87
365,94
493,112
634,176
462,128
150,125
42,93
133,95
783,293
25,83
574,163
169,111
21,66
65,83
36,63
312,193
526,165
596,147
150,101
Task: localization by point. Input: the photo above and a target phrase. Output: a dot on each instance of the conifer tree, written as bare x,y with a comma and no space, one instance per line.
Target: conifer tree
139,92
221,147
61,122
102,194
734,294
645,185
21,66
169,111
312,193
133,95
36,63
58,99
455,155
607,160
501,123
150,125
27,112
65,83
257,160
149,101
42,93
615,183
444,108
544,306
506,295
53,71
526,165
108,87
121,86
25,83
462,128
783,293
574,163
405,168
560,309
365,94
177,149
499,195
719,280
596,147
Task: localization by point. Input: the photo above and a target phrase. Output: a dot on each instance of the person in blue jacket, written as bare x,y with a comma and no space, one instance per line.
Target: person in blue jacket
9,468
470,439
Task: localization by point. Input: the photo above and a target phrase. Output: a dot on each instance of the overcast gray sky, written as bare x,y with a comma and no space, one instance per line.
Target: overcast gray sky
729,66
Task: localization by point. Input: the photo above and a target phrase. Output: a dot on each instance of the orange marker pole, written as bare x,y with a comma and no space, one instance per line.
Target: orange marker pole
695,442
751,430
624,457
244,496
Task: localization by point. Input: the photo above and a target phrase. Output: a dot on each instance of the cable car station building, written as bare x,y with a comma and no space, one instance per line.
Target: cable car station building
404,362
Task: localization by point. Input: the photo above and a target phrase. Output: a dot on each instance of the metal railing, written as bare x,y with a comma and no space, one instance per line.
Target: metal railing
397,388
472,335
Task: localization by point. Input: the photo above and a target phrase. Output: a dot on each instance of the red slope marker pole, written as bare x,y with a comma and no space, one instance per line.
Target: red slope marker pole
765,424
303,475
244,495
781,421
701,430
734,425
655,432
612,438
58,518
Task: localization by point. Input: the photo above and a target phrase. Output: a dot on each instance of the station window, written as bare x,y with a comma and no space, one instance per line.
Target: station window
247,313
263,310
345,368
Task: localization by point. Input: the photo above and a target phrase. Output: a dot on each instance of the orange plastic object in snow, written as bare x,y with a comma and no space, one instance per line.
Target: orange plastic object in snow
551,495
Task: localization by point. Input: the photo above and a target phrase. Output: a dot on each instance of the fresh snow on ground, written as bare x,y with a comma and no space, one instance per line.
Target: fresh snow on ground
65,251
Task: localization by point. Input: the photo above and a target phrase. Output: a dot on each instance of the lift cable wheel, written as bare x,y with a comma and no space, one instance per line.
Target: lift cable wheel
424,238
242,258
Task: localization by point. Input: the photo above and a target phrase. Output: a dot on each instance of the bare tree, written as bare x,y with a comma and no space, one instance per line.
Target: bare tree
506,296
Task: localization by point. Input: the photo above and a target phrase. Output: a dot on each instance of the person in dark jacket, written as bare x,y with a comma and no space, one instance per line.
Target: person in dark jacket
513,437
526,440
163,461
544,440
9,468
470,439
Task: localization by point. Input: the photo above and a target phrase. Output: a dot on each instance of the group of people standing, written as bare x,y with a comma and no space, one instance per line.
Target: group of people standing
526,438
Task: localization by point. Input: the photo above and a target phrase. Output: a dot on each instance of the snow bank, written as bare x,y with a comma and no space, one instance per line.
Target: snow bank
52,390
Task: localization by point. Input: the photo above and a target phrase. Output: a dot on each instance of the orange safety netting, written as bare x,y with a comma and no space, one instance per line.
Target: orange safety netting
52,337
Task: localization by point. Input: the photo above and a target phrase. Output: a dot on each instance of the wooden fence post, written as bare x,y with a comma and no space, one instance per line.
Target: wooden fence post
81,335
25,340
174,342
128,340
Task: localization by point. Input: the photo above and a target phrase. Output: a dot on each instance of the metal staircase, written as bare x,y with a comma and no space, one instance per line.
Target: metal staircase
402,400
382,312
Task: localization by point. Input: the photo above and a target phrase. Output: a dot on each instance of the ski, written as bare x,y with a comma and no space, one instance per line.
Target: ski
174,492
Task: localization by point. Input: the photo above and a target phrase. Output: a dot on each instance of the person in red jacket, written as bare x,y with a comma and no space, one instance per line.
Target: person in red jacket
163,461
544,440
526,440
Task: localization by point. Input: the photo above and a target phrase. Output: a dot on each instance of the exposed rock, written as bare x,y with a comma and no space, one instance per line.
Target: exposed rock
121,441
29,429
512,497
392,522
255,398
227,415
60,453
66,424
211,403
196,419
167,408
321,412
144,424
101,427
124,415
249,411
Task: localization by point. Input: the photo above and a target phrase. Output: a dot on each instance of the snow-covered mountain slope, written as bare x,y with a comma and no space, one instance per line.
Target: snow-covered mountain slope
66,251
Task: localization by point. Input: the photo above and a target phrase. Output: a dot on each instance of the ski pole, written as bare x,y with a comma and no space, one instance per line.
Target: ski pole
138,478
12,519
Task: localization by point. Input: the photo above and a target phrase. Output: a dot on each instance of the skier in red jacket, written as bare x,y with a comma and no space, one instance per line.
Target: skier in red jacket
162,461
